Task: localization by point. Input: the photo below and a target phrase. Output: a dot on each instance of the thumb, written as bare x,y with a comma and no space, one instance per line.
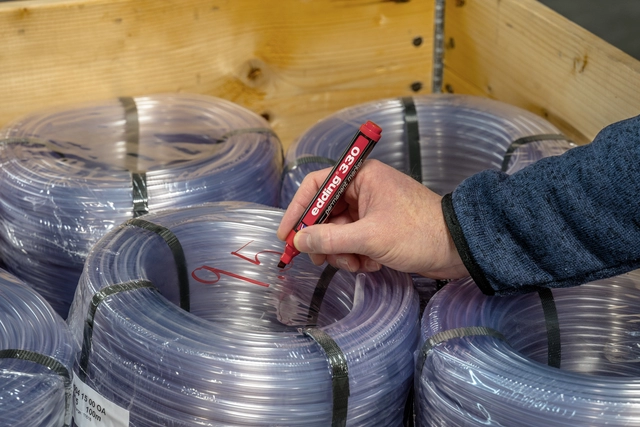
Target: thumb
331,239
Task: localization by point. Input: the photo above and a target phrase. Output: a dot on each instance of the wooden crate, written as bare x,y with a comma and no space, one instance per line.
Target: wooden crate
297,61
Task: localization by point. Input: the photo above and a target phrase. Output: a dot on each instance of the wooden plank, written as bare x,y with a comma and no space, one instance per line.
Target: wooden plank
292,61
523,53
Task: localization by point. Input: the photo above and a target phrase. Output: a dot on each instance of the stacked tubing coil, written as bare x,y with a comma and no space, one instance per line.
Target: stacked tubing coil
36,358
68,176
500,375
261,346
439,139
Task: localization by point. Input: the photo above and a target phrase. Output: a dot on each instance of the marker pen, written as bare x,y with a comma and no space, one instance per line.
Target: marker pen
335,185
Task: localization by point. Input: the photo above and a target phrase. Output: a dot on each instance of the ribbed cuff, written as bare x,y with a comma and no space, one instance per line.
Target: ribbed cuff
463,247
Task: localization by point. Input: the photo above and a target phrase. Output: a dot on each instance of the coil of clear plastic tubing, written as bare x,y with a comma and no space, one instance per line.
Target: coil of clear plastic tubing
67,176
36,358
440,139
509,380
248,352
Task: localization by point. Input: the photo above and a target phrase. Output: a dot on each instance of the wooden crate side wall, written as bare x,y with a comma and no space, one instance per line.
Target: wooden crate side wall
523,53
292,61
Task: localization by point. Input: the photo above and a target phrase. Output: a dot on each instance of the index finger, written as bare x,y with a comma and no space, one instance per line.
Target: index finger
308,188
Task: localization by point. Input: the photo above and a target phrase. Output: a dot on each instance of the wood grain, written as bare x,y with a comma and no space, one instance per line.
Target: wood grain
523,53
293,61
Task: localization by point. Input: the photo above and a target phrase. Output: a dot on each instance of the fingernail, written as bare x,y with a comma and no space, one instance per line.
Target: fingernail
343,264
301,241
371,265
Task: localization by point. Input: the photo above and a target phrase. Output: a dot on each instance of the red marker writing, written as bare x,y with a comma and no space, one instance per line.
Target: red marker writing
335,185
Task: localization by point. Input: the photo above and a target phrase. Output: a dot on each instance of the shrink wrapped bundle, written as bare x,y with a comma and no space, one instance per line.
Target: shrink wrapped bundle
561,357
183,318
439,139
68,176
36,359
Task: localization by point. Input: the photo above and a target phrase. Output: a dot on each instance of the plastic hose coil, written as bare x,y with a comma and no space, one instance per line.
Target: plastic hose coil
36,358
439,139
69,176
261,346
561,357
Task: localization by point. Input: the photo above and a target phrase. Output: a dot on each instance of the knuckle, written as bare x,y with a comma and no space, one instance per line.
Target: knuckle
326,241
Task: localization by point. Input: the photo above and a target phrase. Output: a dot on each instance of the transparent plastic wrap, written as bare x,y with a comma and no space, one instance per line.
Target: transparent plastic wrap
459,135
35,354
485,380
68,176
244,354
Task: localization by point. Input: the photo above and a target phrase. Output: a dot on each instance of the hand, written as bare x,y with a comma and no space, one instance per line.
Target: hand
384,218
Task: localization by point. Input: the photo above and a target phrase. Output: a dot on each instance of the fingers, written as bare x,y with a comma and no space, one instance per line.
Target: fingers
349,262
308,188
330,239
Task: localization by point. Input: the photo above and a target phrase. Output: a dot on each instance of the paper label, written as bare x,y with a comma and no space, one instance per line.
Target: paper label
90,409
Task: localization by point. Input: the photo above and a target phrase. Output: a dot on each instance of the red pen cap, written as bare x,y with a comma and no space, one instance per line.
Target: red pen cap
371,129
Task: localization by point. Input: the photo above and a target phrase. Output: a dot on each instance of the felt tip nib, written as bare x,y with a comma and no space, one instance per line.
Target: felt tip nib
281,264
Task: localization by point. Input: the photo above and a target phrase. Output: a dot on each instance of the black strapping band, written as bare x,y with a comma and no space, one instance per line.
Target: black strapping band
440,337
132,140
306,160
131,133
526,140
140,196
97,299
554,352
462,246
319,292
413,137
41,359
178,256
339,374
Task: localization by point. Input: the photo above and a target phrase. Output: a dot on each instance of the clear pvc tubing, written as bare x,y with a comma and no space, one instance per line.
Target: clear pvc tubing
240,357
31,394
488,381
67,175
459,135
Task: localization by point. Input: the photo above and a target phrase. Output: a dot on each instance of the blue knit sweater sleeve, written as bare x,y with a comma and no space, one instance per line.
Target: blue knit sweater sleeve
560,222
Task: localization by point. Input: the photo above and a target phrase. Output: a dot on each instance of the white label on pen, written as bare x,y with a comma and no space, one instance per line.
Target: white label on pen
90,409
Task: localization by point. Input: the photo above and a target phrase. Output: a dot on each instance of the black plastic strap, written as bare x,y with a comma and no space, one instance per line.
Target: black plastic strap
132,140
413,137
97,299
140,196
319,292
526,140
41,359
462,246
554,352
305,160
440,337
248,130
131,133
407,417
339,374
178,256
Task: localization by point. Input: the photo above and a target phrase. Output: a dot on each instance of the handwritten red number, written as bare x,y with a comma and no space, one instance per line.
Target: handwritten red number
218,272
255,259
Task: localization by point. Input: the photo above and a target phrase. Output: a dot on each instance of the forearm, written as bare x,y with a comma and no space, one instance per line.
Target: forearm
561,222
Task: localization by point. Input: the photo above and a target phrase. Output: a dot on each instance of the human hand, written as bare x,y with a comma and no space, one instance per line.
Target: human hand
384,218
